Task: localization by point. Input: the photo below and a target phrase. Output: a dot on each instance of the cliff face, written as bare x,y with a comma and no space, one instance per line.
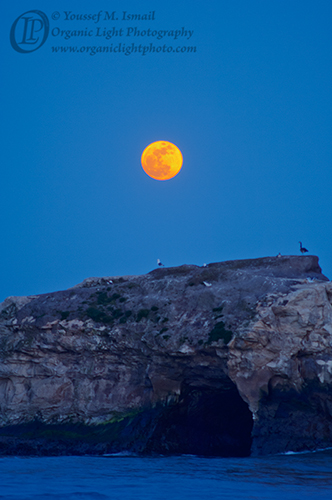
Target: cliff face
229,359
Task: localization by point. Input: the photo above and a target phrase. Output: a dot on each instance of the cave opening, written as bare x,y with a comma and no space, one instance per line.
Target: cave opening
205,421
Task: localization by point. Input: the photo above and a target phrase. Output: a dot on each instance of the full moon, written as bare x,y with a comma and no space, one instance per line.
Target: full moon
161,160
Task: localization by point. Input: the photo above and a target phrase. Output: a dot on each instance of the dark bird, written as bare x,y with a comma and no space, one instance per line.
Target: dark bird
159,263
302,249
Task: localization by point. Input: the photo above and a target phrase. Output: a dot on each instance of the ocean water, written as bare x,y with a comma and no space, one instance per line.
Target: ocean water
282,477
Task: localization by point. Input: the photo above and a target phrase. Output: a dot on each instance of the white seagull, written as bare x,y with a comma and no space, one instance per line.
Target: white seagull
159,263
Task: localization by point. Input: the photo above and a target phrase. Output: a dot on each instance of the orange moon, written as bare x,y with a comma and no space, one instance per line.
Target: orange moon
162,160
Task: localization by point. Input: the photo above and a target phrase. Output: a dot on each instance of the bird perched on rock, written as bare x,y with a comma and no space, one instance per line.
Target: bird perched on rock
302,249
159,263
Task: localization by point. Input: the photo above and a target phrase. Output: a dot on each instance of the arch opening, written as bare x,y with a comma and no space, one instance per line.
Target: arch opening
206,421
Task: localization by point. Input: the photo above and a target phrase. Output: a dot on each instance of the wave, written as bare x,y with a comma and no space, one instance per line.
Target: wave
305,451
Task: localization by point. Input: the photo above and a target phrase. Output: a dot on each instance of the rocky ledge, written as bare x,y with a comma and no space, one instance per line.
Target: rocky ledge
230,359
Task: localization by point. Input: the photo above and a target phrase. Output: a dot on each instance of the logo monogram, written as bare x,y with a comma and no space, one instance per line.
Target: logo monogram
29,31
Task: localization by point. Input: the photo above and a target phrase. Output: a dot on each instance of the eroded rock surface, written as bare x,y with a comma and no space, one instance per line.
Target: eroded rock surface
229,359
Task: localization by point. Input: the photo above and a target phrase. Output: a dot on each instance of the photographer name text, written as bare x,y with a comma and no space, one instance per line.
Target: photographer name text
109,16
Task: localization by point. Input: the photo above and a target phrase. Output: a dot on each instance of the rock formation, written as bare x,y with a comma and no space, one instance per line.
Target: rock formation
230,359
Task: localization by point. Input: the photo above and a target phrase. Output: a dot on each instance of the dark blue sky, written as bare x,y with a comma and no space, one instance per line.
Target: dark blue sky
250,110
